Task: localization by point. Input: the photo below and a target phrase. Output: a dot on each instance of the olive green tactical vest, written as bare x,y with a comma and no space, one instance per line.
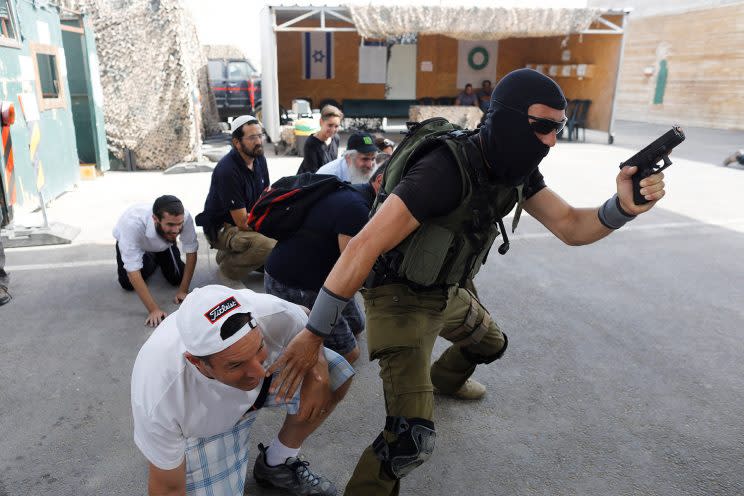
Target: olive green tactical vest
450,249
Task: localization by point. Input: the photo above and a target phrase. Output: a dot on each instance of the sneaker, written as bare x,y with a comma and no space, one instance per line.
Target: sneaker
294,475
4,296
471,390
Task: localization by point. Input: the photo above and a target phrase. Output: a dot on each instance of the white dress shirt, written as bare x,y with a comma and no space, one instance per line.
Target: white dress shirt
136,234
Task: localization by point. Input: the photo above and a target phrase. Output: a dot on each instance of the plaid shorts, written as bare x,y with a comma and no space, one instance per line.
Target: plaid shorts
217,465
343,337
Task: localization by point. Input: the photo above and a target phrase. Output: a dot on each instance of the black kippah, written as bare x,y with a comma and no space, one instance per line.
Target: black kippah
163,202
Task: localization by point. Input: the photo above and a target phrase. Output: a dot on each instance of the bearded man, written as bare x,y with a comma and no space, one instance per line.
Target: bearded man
237,182
145,240
357,164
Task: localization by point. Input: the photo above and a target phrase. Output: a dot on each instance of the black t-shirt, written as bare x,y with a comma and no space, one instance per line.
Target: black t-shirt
432,187
304,260
316,153
234,186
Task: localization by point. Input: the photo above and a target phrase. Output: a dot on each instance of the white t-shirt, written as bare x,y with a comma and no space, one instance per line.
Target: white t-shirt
173,401
136,234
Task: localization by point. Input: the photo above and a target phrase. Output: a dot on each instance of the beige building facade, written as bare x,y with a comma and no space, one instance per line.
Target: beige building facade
682,64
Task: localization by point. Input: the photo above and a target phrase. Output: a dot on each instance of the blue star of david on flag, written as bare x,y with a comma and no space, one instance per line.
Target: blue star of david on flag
317,55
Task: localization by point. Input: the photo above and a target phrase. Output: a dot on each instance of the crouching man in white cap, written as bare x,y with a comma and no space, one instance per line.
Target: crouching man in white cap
198,382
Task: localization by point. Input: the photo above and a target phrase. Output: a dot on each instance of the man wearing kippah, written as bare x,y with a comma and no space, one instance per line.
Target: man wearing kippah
199,381
237,181
145,240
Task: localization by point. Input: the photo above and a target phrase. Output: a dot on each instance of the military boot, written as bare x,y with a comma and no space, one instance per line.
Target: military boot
471,390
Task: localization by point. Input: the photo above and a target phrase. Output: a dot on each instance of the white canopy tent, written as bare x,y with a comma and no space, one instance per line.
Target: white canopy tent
460,22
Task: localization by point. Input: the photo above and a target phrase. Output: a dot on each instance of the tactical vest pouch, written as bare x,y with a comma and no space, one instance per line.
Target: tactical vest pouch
426,253
482,252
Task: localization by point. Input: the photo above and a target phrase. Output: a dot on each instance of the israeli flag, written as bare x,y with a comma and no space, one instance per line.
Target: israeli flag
317,55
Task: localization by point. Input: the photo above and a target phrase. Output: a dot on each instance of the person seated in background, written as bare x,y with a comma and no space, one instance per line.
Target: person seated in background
467,97
484,95
357,163
237,182
328,226
145,240
384,145
322,147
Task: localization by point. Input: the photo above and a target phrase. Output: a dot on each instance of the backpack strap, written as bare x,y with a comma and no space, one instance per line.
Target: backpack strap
262,395
473,158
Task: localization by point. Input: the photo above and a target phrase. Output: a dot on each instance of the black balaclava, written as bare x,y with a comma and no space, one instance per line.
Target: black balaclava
509,143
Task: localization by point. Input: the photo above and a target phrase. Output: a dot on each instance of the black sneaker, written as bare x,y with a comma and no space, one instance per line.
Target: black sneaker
294,475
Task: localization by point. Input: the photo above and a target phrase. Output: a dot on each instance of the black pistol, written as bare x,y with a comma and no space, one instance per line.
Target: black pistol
647,160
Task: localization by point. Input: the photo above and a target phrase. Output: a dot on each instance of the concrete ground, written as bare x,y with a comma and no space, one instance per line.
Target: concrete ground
623,376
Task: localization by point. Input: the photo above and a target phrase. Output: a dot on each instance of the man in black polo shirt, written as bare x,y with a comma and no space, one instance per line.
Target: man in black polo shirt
237,181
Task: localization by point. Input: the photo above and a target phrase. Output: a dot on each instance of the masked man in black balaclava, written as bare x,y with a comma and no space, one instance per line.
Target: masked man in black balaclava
419,252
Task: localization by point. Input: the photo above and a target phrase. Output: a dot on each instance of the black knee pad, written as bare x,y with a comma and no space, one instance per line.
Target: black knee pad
413,446
476,358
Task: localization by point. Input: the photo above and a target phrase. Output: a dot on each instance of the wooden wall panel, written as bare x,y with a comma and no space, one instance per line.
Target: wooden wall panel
705,56
345,84
440,50
602,51
442,81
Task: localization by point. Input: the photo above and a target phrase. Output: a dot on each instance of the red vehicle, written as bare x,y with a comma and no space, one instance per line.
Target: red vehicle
236,85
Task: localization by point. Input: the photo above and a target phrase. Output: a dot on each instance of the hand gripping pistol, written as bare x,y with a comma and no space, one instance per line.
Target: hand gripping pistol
647,160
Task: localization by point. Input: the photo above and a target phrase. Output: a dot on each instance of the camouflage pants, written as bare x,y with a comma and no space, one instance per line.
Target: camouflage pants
402,326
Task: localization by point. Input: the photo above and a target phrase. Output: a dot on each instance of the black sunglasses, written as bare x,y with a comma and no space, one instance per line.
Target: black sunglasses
540,125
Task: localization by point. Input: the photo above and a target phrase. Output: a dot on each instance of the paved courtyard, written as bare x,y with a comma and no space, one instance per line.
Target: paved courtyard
624,374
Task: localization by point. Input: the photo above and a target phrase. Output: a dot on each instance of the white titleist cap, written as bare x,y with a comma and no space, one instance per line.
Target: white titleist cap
205,310
239,122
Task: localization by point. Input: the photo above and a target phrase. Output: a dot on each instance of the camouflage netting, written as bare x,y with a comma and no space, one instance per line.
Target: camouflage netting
467,117
223,52
469,23
157,101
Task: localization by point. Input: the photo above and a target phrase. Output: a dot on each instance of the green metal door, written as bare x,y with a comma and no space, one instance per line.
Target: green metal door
77,77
